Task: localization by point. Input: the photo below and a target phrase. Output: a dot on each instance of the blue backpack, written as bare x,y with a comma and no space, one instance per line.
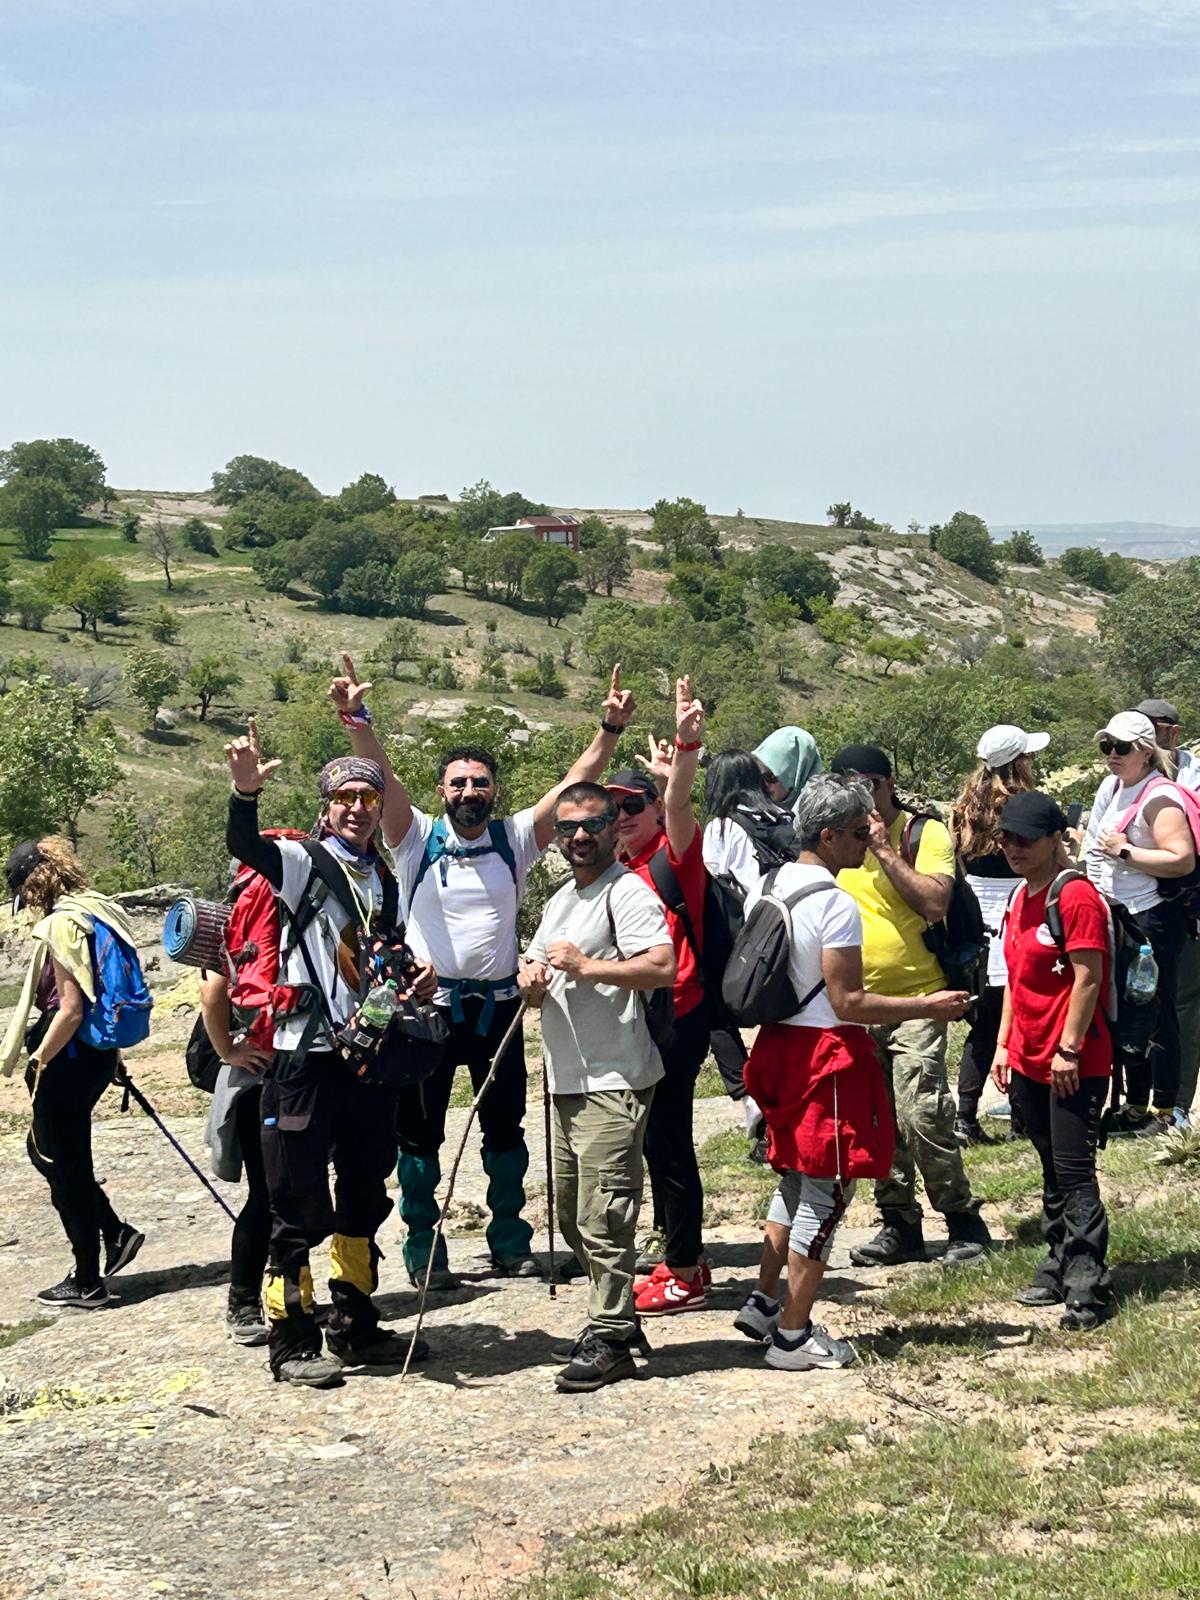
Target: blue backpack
119,1016
439,849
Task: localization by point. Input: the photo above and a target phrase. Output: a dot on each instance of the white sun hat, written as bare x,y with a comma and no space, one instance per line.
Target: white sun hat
1004,743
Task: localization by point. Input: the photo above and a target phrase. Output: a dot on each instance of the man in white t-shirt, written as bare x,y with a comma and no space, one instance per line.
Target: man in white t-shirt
602,943
462,878
817,1075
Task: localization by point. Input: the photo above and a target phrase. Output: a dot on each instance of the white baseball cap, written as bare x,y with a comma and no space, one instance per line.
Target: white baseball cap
1131,727
1005,742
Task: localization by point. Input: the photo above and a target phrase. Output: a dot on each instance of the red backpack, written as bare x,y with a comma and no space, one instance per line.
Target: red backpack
253,937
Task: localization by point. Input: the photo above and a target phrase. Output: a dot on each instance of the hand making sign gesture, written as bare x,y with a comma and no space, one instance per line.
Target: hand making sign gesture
619,704
346,692
246,765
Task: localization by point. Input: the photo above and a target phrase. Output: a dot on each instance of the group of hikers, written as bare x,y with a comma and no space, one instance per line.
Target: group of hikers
850,927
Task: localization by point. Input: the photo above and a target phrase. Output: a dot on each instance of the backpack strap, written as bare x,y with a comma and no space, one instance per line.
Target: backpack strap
438,848
910,838
822,886
1053,895
670,892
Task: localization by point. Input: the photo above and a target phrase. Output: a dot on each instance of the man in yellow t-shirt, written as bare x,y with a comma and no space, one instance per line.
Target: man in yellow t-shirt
899,900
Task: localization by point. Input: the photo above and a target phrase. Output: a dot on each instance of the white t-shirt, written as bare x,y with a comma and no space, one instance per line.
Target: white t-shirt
727,848
321,939
827,921
1188,776
595,1034
1118,879
464,918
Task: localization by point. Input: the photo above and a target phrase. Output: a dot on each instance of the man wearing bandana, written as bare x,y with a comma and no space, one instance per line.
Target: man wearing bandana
462,878
313,1109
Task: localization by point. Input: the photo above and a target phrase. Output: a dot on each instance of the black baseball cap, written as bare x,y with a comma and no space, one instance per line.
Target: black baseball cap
867,758
630,781
22,860
1158,710
1032,815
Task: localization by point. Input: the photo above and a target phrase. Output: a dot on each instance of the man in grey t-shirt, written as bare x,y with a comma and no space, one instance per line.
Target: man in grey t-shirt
602,942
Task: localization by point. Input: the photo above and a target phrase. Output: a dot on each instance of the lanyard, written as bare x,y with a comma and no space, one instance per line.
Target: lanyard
364,906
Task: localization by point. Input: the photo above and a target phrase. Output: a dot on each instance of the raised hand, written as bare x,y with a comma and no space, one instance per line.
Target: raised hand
689,713
346,692
662,753
619,706
246,765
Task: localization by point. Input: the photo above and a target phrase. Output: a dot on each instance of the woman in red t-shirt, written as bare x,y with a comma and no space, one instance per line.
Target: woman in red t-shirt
1054,1052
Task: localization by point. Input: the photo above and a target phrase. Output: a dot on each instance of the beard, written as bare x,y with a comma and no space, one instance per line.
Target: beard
469,813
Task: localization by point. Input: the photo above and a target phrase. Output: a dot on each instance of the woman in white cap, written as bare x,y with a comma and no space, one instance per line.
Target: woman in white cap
1139,838
1005,768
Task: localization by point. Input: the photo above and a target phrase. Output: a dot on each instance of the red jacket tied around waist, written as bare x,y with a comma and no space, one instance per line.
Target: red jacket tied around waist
823,1094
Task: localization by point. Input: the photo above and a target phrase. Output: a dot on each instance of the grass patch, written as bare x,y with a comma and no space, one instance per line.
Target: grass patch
13,1332
1001,1173
733,1186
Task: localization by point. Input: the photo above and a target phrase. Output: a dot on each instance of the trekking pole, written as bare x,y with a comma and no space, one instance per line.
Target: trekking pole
131,1088
549,1178
462,1145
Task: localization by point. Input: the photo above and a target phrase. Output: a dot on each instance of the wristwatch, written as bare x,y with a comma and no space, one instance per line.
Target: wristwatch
1123,852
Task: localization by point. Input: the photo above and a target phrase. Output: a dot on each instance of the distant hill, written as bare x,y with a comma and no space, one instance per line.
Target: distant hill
1148,541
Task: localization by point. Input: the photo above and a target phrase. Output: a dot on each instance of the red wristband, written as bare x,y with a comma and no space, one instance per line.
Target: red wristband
679,744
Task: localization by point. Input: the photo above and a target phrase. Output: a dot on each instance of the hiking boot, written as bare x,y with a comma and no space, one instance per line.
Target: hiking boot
568,1349
1127,1121
969,1237
595,1363
1080,1319
1039,1294
669,1293
516,1267
120,1251
68,1293
383,1348
315,1371
650,1252
244,1320
969,1130
439,1278
758,1318
802,1350
1155,1125
897,1241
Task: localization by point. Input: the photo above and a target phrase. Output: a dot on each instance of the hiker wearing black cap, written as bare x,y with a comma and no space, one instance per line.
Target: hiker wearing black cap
462,878
313,1108
1054,1052
66,1075
902,891
1138,839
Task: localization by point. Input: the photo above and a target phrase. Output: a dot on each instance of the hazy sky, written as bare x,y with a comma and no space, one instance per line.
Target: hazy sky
918,254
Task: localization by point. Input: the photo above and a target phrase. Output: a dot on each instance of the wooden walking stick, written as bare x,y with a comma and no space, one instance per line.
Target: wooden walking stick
549,1178
462,1145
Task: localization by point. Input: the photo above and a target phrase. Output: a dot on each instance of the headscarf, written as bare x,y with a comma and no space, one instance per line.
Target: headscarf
350,769
792,755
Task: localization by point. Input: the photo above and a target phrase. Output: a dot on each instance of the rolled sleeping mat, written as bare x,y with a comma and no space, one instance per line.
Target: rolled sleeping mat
194,932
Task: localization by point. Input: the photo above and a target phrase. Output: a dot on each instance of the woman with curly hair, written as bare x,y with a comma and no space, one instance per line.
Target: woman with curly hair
65,1076
1005,768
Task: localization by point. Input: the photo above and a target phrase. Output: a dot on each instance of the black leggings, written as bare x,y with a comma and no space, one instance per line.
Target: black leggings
1148,1035
60,1147
252,1230
670,1148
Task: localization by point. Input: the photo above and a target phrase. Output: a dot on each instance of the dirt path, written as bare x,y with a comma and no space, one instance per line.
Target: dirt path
148,1455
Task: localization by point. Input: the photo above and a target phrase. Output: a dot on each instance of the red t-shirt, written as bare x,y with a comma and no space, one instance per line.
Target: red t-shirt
1040,980
690,872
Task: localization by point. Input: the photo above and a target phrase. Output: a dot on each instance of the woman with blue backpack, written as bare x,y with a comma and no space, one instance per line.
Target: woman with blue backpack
86,984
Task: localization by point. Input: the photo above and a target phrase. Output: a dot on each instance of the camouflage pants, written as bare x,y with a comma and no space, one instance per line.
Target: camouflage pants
914,1055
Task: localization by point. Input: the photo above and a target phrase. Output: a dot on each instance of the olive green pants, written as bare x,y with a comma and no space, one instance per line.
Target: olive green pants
914,1055
598,1193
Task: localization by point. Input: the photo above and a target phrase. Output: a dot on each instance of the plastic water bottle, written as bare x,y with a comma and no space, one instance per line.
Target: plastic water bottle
380,1004
1141,981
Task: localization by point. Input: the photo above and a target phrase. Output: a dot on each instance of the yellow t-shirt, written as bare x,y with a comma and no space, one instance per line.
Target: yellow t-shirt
895,960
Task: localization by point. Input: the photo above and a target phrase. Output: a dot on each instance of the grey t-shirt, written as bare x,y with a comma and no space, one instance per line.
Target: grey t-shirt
595,1034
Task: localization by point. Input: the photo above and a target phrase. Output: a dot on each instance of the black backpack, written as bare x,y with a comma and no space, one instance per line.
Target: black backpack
959,941
757,988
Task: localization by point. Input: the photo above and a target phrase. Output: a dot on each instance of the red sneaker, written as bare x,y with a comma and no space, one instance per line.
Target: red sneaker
662,1272
662,1297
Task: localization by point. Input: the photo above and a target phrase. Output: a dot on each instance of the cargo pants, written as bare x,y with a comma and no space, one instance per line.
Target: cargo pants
914,1058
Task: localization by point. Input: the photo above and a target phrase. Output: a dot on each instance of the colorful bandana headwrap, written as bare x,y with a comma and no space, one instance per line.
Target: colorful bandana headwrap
350,769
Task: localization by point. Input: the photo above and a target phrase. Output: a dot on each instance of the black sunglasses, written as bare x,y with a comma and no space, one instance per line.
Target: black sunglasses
1120,747
633,804
859,833
566,827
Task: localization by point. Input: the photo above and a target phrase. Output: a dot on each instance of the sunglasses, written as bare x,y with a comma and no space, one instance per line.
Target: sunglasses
1004,840
860,834
567,827
461,783
347,797
633,804
1120,747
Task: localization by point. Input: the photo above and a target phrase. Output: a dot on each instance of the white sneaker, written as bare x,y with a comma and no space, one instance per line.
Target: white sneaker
753,1115
818,1350
758,1318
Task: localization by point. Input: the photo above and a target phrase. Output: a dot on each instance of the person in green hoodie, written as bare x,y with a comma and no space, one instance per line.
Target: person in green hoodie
788,758
65,1076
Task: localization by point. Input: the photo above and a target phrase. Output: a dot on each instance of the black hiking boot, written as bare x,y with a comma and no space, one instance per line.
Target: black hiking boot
969,1130
1039,1294
594,1364
897,1241
244,1320
309,1370
568,1349
969,1237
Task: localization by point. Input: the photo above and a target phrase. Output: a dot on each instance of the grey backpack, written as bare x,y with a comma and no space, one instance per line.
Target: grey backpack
756,987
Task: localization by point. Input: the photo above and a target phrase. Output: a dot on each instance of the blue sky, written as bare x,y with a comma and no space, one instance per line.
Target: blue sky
919,255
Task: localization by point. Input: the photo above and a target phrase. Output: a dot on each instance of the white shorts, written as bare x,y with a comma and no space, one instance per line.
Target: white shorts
812,1209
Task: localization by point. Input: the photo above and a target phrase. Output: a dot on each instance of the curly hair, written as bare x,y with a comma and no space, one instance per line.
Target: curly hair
976,813
58,873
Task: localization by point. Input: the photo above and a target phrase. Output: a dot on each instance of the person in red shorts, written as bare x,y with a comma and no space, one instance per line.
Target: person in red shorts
661,841
1054,1052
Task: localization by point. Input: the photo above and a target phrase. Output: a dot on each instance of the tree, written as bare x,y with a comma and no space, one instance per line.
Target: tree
864,523
163,625
416,578
513,552
709,593
684,531
198,536
1022,549
549,582
247,475
162,544
795,574
1111,573
275,568
152,677
542,678
895,649
492,671
33,508
481,507
31,605
604,558
777,620
847,626
5,589
366,494
1150,634
130,525
965,540
839,512
209,677
54,760
75,467
399,642
366,591
260,519
95,589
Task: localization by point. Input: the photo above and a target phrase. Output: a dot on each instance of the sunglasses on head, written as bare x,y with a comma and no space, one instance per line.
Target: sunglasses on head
633,804
1120,747
347,797
566,827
